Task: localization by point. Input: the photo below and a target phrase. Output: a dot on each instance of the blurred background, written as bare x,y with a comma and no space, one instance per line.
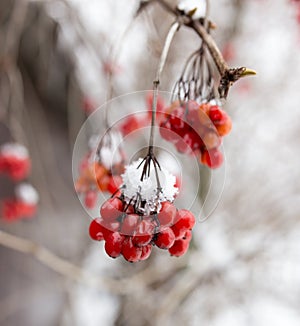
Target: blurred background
244,265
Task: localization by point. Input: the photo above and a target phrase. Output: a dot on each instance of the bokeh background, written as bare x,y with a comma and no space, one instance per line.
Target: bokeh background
244,265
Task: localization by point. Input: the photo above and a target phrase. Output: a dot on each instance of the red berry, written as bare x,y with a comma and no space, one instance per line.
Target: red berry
212,158
184,144
185,220
111,209
97,230
114,184
167,214
129,125
179,233
130,252
130,223
90,199
187,236
146,252
141,240
113,244
216,114
146,226
112,226
166,132
165,239
179,248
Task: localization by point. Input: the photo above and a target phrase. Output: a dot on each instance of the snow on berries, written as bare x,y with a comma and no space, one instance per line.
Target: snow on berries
142,215
197,129
101,168
14,161
22,205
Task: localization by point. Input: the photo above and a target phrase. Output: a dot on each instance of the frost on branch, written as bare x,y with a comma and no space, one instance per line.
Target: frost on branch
196,9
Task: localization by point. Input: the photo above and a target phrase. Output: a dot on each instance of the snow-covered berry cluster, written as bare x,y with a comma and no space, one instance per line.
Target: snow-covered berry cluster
141,215
22,205
197,128
14,161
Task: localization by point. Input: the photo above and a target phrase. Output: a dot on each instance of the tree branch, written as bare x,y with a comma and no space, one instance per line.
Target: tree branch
228,75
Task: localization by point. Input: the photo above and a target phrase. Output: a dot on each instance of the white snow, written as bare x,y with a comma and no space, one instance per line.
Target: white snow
27,193
147,188
14,149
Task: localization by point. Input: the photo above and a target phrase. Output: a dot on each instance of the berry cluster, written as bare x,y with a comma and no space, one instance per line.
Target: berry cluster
100,171
197,128
23,205
14,161
128,233
141,215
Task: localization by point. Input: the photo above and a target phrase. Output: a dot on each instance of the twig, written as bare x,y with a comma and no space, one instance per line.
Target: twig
228,75
58,264
162,62
75,273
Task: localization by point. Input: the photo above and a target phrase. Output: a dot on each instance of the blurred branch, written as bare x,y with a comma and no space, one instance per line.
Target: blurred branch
56,263
81,275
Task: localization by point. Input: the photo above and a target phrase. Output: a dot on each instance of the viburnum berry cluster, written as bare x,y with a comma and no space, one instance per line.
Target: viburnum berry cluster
16,164
22,205
14,161
101,168
197,129
141,215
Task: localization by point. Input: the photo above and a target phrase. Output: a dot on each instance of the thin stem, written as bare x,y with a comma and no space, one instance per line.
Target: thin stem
162,62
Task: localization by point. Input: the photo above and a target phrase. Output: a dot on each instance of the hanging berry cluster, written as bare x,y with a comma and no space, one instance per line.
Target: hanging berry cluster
16,165
22,205
141,215
101,168
14,161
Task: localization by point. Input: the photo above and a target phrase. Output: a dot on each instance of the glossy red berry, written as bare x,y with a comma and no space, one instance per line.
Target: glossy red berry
111,209
165,239
129,224
187,236
113,244
216,114
167,214
129,125
146,252
130,252
185,220
179,248
179,233
114,184
97,231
